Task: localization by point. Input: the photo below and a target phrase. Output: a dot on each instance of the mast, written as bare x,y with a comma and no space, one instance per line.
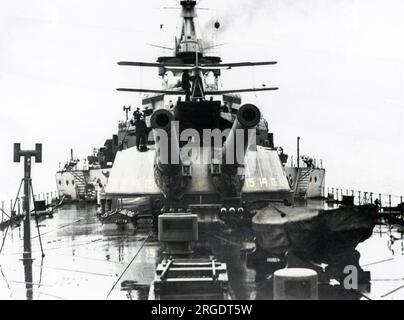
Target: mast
189,57
188,41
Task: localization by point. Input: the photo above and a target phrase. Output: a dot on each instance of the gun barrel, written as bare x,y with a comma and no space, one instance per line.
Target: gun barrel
165,137
161,119
238,140
168,166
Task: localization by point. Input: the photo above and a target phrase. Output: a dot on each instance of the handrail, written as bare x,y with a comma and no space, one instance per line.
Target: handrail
364,196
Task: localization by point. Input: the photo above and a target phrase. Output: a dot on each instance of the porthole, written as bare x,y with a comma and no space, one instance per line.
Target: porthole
315,179
72,182
311,179
60,182
67,182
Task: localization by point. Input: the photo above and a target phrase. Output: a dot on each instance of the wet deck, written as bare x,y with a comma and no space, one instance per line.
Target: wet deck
84,262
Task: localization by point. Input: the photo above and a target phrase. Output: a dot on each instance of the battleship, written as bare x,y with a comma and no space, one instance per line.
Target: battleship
192,198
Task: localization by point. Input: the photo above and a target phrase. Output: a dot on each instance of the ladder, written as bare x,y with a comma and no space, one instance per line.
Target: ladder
80,183
190,279
303,180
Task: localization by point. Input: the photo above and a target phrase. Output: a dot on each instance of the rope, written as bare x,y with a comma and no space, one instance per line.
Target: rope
36,218
8,227
18,193
4,238
5,213
392,291
129,264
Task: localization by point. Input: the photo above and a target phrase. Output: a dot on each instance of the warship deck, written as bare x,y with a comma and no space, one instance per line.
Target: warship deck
82,261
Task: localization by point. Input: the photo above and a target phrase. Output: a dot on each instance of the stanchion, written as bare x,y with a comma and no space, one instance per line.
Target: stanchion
27,255
295,284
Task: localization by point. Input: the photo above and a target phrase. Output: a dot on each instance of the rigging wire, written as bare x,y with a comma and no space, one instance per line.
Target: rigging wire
15,202
253,85
40,277
36,218
129,264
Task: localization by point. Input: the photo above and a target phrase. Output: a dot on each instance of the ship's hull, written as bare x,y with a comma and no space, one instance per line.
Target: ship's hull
312,233
314,186
68,184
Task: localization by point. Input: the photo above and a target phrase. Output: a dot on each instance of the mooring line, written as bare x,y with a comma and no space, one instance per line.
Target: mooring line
392,291
228,241
30,283
51,295
36,219
398,279
5,279
377,262
129,264
61,227
74,270
61,247
88,258
223,239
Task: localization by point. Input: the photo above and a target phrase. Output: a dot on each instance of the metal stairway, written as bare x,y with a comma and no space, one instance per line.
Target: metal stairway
303,181
80,183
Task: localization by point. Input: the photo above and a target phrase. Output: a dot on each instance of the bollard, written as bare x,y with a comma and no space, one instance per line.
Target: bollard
295,284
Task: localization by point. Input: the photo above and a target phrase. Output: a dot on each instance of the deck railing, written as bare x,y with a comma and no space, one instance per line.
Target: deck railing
363,197
6,207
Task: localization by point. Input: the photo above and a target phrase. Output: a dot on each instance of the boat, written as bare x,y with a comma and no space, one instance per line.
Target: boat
313,233
138,174
85,182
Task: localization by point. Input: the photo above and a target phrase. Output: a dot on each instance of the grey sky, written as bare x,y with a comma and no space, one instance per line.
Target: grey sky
340,75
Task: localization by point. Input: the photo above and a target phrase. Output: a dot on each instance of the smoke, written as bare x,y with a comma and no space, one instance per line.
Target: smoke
238,12
241,12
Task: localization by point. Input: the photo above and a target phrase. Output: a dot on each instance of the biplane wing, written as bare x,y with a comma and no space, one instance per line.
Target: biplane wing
154,64
239,90
239,64
168,92
218,92
219,66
